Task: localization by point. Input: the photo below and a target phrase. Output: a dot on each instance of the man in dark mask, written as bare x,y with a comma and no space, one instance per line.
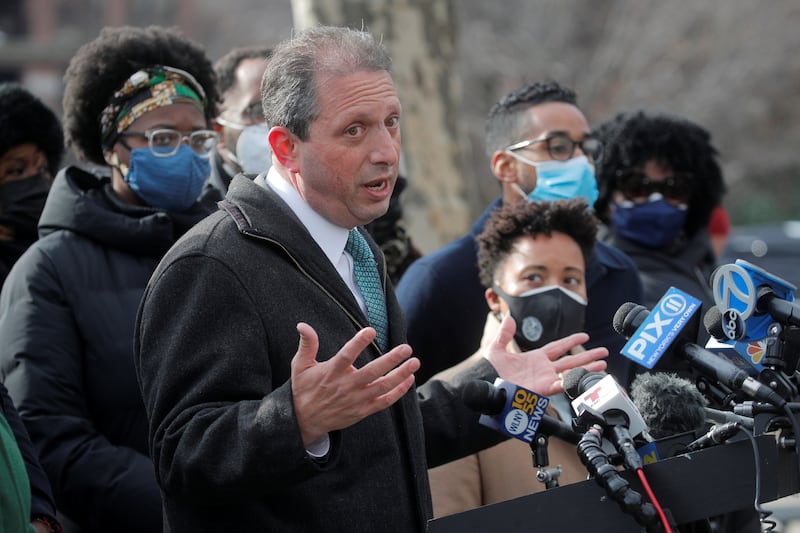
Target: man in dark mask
532,259
31,146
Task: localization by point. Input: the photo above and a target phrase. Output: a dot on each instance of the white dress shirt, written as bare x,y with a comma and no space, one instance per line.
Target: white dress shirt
331,239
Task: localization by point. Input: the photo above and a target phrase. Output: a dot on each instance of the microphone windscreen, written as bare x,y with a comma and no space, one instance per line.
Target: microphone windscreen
669,404
619,316
713,323
572,381
483,397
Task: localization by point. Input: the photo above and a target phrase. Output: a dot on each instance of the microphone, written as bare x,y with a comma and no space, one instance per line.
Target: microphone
745,355
669,404
598,398
674,411
651,335
716,435
750,299
723,417
514,411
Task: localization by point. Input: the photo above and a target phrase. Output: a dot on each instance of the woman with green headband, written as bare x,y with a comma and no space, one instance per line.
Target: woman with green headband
137,106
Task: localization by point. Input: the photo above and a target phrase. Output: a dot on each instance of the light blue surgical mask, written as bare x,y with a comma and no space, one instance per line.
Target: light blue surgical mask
171,183
559,180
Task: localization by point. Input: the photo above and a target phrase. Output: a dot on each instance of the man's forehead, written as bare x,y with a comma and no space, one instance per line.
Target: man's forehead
550,117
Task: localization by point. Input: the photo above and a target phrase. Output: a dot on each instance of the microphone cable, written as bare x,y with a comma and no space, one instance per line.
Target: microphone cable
763,514
793,421
591,453
650,494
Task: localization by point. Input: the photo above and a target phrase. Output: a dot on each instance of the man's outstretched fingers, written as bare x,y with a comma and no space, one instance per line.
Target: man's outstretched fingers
348,354
379,368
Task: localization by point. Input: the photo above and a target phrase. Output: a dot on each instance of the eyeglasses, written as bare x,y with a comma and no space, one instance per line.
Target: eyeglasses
634,183
562,148
251,115
166,142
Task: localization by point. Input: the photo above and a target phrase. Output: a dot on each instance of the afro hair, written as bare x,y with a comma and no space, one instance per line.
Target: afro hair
630,139
100,67
25,119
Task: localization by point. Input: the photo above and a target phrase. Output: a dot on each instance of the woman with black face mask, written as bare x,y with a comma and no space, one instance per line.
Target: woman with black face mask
138,104
532,260
31,146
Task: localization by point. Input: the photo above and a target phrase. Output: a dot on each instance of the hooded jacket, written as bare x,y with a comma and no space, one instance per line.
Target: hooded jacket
215,337
67,314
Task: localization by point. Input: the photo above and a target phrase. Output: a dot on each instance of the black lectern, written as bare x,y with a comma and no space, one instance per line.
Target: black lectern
692,487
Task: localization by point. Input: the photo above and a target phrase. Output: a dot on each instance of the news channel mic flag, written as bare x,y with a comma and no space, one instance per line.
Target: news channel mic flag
661,327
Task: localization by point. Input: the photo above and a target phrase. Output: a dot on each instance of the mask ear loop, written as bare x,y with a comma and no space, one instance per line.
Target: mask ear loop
113,162
515,185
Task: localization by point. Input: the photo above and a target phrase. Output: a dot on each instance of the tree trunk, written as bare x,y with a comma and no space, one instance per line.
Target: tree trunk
421,39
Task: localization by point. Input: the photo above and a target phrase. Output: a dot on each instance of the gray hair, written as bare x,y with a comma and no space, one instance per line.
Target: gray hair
288,88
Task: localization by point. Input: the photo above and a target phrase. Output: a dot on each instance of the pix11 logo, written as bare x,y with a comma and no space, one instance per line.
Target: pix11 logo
661,327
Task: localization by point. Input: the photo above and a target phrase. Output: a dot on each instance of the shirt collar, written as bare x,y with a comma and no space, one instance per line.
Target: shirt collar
330,237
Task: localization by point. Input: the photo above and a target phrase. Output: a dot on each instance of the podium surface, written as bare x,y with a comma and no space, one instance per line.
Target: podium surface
691,487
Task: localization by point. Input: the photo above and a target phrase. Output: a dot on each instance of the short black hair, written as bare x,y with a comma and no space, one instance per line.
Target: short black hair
225,67
507,120
25,119
511,221
632,138
100,67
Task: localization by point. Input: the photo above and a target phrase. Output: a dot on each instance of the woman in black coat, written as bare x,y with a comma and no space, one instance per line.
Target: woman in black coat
138,102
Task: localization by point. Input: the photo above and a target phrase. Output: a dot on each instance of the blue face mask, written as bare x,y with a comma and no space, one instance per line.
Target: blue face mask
170,183
559,180
653,224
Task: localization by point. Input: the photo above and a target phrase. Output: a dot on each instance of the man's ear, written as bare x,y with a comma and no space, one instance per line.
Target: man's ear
284,146
504,167
218,128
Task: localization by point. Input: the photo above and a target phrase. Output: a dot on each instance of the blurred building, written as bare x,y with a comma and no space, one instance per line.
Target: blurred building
38,37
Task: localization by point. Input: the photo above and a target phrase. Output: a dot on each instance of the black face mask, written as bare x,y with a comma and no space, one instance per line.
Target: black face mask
21,204
544,315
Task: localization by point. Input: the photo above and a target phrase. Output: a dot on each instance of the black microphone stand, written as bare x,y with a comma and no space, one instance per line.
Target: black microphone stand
541,461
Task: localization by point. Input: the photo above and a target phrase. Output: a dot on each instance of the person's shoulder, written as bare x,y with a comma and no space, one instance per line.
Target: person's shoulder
613,258
452,259
210,233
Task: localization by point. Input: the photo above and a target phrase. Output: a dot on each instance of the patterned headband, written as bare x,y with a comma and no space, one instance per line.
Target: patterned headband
143,91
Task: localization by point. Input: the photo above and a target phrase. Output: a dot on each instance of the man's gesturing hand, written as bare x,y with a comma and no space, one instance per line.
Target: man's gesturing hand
539,370
333,394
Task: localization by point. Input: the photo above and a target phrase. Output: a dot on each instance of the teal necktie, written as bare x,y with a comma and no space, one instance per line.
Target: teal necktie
369,283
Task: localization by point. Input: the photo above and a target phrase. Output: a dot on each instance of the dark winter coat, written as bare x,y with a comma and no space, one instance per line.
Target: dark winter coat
215,338
67,315
686,264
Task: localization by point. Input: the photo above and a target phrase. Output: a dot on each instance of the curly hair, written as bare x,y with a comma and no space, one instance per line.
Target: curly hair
225,67
511,221
630,139
507,120
25,119
101,66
